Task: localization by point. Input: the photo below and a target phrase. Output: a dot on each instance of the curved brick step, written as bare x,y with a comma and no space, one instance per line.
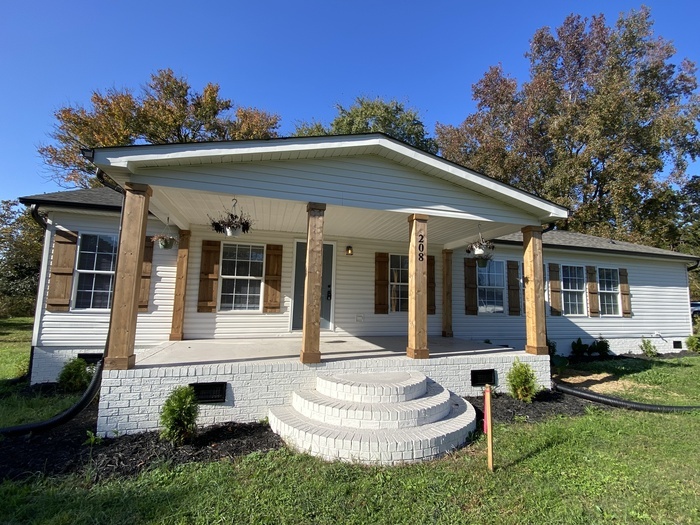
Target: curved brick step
385,387
381,446
431,407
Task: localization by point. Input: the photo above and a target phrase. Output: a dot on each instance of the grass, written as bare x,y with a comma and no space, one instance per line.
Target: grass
604,467
659,381
16,407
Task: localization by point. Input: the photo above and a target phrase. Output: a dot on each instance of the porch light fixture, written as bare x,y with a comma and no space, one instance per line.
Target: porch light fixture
348,250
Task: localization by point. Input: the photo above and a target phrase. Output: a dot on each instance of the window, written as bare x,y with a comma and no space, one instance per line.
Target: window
491,284
609,291
398,283
96,259
572,288
241,276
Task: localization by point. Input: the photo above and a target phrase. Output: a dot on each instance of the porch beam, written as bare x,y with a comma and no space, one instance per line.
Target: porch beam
311,334
418,287
119,354
183,257
447,293
535,322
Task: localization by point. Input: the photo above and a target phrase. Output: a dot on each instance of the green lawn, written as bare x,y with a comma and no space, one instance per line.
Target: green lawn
659,381
16,407
608,466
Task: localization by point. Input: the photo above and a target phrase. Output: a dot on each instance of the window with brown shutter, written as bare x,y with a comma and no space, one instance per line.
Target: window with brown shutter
381,283
61,275
209,276
146,268
513,287
471,292
431,285
592,289
625,293
554,289
273,278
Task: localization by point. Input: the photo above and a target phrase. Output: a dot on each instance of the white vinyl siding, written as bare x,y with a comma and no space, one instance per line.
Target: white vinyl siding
609,291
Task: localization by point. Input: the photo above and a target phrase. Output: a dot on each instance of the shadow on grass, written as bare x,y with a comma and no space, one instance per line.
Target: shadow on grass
20,326
623,366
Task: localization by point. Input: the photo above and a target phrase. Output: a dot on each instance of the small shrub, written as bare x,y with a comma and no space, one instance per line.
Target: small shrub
600,346
578,348
551,347
693,344
179,415
648,348
75,376
522,383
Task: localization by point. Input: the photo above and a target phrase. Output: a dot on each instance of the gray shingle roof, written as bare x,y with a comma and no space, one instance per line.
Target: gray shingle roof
93,198
581,242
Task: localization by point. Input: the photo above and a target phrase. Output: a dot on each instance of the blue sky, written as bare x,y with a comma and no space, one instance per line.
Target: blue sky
296,59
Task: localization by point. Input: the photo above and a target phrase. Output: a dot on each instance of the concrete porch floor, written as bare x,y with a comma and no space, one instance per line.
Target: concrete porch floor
333,348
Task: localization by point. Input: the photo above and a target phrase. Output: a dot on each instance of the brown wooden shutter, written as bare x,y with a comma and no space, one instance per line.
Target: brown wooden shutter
513,288
471,292
592,288
65,245
625,293
273,279
146,267
554,289
209,276
431,284
381,283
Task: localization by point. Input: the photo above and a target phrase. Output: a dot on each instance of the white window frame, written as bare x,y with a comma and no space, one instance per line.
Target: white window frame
78,272
398,284
223,278
581,291
608,293
503,288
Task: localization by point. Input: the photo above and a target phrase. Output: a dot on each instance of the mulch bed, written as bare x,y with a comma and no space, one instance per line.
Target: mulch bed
64,449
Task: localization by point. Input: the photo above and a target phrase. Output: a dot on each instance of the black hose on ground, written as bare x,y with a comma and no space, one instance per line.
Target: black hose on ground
619,403
68,414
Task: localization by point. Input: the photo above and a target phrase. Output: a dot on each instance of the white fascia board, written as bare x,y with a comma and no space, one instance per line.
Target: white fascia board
132,158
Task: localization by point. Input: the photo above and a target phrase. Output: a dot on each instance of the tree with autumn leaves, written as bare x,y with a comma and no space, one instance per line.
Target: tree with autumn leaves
605,125
167,110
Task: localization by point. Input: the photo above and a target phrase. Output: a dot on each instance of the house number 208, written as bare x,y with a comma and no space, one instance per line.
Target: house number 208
421,247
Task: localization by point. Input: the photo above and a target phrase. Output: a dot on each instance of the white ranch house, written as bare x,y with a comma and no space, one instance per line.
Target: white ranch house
356,261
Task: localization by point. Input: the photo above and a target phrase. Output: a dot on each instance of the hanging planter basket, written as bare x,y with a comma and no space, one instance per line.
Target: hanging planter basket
165,240
230,223
482,251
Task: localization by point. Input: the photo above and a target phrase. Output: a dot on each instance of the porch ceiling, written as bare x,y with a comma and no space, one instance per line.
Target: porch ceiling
187,208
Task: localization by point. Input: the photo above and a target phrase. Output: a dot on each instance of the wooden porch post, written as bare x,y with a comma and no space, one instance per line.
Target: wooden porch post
447,293
183,256
119,353
535,324
418,288
311,335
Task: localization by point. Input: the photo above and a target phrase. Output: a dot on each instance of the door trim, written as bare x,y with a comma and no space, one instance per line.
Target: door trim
333,285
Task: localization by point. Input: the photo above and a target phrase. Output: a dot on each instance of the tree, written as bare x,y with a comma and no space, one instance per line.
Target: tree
374,115
20,259
166,111
605,126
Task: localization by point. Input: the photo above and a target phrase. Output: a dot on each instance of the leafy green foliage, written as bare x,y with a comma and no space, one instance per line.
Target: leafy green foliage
179,415
648,348
579,348
693,344
167,110
367,115
20,260
522,382
75,375
599,346
605,126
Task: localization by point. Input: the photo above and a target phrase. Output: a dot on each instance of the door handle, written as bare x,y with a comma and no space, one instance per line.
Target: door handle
329,294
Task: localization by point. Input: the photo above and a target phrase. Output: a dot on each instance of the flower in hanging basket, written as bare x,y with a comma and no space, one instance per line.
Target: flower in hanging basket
164,242
231,224
480,247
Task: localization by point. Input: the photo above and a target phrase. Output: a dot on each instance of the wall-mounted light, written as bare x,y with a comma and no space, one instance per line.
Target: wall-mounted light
348,250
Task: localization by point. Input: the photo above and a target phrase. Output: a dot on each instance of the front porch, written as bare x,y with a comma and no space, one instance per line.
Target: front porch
258,374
